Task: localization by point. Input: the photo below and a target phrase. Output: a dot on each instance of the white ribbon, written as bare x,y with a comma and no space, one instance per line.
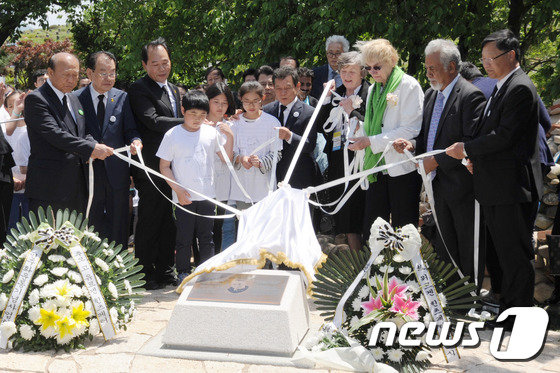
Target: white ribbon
149,171
432,299
97,299
20,289
90,186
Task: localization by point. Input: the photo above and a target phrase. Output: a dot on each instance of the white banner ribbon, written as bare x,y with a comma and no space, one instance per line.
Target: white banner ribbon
20,289
97,299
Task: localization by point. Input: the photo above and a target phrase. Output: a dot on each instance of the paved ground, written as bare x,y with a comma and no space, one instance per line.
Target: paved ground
121,354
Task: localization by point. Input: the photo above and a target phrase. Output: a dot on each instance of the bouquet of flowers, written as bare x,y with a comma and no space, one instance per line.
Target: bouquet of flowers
62,284
389,292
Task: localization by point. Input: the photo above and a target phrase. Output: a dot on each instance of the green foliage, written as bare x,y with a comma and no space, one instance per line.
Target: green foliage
237,34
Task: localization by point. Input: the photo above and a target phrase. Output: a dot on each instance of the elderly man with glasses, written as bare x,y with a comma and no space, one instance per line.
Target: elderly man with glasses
109,120
334,46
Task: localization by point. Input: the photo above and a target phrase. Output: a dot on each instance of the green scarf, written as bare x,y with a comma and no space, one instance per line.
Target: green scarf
375,108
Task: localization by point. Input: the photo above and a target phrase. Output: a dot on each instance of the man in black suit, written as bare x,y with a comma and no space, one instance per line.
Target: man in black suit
60,147
156,105
452,106
506,170
294,116
110,121
6,185
335,46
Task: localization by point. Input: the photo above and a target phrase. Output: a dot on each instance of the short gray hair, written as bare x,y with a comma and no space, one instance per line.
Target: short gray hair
338,39
448,52
349,59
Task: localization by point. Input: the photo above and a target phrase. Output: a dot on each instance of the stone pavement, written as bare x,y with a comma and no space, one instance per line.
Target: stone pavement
121,354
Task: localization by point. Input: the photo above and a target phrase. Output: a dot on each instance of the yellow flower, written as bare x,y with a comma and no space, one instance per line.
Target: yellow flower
65,326
47,319
79,315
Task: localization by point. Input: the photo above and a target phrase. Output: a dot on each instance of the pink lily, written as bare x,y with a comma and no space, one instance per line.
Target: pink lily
372,304
406,307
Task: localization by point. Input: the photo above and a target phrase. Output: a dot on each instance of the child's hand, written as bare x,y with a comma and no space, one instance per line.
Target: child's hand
183,196
225,129
255,161
246,162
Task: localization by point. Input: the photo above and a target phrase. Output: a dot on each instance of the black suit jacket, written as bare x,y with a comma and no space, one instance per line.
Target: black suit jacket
505,153
320,76
154,116
462,111
119,129
59,150
325,112
306,172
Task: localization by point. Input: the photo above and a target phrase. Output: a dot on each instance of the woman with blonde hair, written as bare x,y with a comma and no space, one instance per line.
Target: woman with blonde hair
393,110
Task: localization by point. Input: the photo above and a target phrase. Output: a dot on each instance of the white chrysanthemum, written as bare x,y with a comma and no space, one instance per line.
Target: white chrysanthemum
41,280
27,332
386,268
56,258
8,329
442,299
395,355
3,301
398,258
75,277
34,313
62,290
34,297
88,306
40,264
377,353
423,302
354,321
71,261
422,355
101,263
427,319
98,280
114,315
378,260
24,254
132,308
413,286
85,292
357,304
364,292
59,271
93,327
8,276
128,287
113,290
405,270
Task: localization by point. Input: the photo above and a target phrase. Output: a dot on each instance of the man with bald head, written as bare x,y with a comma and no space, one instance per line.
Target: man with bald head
60,148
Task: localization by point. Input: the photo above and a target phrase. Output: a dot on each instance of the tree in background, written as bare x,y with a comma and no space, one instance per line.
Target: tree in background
236,34
28,57
13,14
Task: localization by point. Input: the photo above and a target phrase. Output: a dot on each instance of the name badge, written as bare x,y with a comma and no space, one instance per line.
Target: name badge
337,140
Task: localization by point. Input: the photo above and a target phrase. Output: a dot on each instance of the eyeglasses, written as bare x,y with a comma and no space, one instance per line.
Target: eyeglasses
489,60
107,75
331,54
251,103
376,68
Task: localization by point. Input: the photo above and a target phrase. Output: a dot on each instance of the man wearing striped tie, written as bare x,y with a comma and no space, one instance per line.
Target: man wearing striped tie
451,108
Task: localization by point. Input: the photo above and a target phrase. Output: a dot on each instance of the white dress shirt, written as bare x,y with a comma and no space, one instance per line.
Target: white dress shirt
60,96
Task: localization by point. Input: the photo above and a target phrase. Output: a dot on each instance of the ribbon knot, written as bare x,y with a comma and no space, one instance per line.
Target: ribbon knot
391,238
48,238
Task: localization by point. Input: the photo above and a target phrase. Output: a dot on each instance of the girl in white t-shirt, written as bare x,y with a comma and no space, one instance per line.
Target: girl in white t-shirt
16,134
251,130
221,104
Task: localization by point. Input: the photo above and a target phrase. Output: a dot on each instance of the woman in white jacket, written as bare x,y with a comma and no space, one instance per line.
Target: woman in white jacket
393,110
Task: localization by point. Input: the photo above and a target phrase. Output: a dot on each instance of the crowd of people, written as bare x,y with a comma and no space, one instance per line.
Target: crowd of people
235,146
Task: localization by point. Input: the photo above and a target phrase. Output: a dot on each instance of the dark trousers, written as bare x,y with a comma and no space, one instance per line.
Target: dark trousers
6,192
77,200
154,240
510,252
20,208
109,209
187,226
394,199
218,225
456,221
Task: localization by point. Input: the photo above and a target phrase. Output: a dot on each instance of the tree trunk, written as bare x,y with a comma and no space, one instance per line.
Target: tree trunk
9,25
516,12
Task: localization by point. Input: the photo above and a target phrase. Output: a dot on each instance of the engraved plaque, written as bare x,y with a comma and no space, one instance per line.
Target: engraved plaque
238,288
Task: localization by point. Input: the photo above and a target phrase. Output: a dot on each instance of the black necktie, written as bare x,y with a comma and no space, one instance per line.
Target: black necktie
281,116
66,116
100,111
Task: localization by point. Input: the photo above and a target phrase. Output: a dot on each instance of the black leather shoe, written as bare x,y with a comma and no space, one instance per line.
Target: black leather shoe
153,285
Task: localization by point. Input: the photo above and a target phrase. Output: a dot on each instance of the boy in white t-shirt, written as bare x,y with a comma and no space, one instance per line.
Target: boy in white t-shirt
187,156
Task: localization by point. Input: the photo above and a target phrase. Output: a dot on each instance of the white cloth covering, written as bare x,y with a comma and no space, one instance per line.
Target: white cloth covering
278,228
